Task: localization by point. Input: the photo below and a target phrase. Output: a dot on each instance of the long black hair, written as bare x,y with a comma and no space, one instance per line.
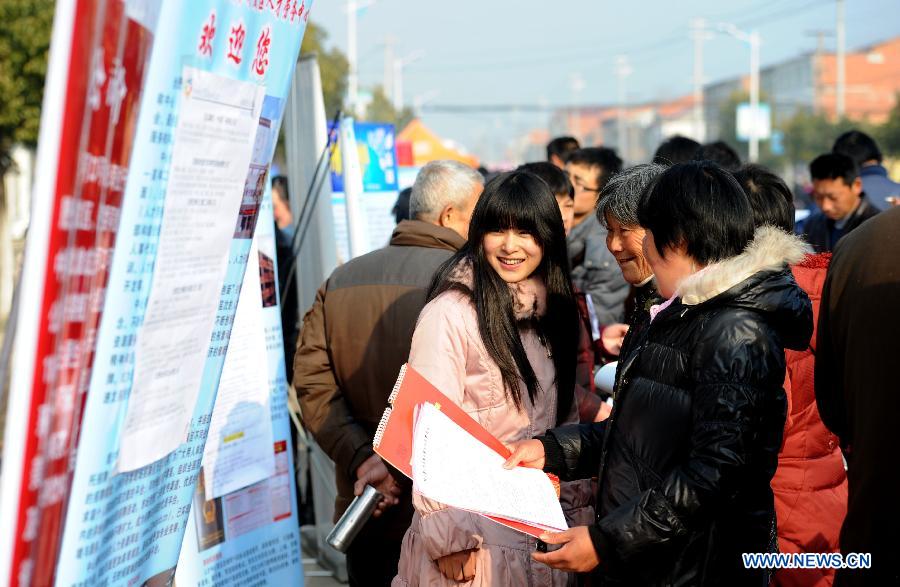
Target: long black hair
519,200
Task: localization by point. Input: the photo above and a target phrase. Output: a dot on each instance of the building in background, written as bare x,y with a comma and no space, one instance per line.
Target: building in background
808,83
531,147
804,83
645,126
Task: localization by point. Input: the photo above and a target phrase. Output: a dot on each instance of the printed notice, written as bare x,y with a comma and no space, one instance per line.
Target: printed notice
238,449
453,467
214,140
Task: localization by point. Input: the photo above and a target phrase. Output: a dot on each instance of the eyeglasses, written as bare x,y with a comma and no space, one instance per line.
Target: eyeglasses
583,188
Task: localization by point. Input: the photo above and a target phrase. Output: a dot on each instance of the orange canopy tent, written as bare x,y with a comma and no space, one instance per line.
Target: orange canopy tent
417,145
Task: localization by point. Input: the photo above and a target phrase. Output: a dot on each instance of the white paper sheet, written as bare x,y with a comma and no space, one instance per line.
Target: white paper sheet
453,467
217,123
239,448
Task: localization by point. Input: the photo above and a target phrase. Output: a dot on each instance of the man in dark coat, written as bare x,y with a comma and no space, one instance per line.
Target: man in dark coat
858,390
353,342
838,192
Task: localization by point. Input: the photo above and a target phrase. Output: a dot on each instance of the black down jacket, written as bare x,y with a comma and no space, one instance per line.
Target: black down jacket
686,458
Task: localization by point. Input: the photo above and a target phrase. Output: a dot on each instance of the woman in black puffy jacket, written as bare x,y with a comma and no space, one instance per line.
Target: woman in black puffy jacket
686,458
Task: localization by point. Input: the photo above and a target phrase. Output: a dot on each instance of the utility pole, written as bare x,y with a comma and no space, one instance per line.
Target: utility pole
841,105
699,36
388,80
623,70
352,8
352,80
752,39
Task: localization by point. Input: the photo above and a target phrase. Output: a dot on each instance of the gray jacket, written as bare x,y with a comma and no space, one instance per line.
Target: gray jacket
595,271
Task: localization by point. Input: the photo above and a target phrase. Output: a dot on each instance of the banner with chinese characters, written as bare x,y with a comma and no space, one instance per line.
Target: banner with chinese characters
377,149
213,95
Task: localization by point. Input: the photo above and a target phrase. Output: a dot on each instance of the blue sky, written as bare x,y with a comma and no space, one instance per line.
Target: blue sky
528,52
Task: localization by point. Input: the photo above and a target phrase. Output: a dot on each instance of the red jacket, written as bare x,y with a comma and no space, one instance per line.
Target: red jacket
810,484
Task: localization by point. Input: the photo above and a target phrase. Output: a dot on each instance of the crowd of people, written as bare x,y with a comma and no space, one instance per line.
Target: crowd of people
752,405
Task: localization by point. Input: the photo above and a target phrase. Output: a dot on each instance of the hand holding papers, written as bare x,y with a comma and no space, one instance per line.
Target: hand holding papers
453,467
394,439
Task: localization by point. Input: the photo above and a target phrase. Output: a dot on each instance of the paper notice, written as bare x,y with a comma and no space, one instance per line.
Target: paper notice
217,123
451,466
247,509
238,448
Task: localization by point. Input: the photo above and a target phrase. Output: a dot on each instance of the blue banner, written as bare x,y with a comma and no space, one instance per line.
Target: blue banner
377,150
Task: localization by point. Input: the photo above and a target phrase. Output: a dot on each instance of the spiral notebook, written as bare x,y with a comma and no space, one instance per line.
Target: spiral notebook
394,438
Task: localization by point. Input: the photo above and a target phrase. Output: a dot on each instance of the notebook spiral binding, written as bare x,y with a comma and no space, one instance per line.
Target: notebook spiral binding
379,432
376,442
397,385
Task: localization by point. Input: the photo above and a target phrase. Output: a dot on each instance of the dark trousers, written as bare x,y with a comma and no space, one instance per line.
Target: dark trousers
373,555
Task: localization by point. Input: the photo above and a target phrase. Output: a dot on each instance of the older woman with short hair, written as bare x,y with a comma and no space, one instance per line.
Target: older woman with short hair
617,211
686,458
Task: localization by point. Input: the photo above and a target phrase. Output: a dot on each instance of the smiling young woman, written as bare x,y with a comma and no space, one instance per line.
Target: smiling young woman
498,337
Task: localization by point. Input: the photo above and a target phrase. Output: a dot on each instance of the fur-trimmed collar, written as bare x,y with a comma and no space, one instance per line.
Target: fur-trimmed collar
771,249
529,296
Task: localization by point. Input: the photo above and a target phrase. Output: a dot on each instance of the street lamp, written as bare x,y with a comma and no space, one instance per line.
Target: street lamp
751,38
399,64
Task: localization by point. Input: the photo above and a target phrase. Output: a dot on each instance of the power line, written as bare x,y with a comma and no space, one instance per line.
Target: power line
674,39
485,109
731,14
788,12
589,53
571,54
578,55
491,108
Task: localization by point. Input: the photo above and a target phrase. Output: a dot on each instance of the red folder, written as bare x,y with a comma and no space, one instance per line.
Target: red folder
394,437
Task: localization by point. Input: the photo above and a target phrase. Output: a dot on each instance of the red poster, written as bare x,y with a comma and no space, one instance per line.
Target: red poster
104,55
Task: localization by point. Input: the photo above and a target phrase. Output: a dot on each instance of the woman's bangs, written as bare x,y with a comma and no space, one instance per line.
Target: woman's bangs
512,209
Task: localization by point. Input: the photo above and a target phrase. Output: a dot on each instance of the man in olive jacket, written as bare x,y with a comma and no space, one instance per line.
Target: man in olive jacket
353,342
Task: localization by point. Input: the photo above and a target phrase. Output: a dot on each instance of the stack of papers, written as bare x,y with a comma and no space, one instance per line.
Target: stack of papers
453,467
